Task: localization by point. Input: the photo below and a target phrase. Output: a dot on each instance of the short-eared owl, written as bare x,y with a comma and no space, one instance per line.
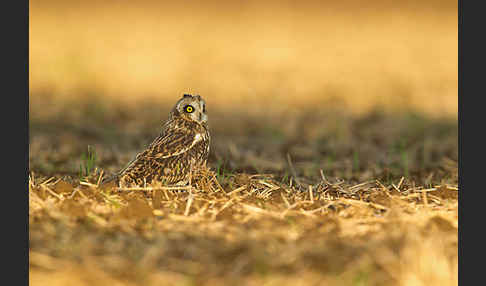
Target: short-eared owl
182,146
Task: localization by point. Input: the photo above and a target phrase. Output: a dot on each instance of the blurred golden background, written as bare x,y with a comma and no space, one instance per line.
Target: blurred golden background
350,97
259,55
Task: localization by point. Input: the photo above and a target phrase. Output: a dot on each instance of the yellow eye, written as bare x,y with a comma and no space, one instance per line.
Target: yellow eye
189,108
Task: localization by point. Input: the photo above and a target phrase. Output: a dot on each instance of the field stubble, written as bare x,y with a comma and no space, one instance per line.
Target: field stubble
321,198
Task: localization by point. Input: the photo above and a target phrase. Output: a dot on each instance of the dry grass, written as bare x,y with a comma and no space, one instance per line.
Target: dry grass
280,205
258,232
258,217
334,143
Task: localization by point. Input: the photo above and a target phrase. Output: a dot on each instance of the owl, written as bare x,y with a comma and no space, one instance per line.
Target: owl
181,147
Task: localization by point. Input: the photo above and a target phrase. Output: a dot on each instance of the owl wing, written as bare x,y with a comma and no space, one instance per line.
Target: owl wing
173,144
169,144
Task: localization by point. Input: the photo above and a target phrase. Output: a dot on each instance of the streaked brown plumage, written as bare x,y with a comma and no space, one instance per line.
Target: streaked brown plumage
182,146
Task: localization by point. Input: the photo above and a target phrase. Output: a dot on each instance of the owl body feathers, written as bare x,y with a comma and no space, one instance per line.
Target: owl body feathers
181,147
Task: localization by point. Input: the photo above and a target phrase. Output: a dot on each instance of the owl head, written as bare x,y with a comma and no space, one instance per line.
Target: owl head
192,108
